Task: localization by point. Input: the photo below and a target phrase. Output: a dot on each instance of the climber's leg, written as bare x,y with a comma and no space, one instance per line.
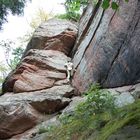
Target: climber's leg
68,75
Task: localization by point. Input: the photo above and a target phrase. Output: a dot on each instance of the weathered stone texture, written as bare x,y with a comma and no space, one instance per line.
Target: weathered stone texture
40,69
20,112
39,80
55,34
109,50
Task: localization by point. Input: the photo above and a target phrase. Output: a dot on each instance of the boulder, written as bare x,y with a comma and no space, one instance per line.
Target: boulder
44,58
69,110
40,69
39,79
20,112
125,95
39,131
108,49
124,99
16,117
55,34
136,91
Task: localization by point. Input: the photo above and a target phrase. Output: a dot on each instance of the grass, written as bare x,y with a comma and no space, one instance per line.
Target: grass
128,115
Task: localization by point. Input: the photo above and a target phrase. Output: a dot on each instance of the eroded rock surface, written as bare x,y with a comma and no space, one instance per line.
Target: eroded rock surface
108,49
20,112
44,58
39,80
55,34
16,117
40,69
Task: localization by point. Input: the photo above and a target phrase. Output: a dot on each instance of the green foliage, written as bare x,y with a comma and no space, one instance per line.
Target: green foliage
106,4
114,5
12,56
97,127
98,101
73,9
44,129
89,116
3,73
69,16
13,6
75,5
17,54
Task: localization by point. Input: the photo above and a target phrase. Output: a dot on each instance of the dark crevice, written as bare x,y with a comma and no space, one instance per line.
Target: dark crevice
112,17
83,33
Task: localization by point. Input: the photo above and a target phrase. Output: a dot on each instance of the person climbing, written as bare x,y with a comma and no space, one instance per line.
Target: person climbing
69,67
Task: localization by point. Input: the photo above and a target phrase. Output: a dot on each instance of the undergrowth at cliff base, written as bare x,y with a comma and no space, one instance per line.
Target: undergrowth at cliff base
95,119
89,116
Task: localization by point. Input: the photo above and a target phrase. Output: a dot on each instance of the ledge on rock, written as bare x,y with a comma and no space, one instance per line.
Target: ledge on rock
20,112
40,69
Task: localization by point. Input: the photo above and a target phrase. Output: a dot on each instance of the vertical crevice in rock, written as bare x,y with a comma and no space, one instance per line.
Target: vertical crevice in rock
90,11
88,36
125,44
100,57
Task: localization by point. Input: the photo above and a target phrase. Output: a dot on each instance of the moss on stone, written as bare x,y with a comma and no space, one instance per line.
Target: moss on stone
128,115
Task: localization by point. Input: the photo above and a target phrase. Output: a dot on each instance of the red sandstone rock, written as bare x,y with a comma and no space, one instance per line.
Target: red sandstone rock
20,112
40,69
55,34
16,118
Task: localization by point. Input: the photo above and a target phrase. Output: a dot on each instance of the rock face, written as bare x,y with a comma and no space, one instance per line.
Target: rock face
20,112
55,34
43,62
40,69
107,49
39,80
16,118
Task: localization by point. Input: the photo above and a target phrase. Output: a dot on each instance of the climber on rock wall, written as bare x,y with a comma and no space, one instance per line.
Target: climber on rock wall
69,67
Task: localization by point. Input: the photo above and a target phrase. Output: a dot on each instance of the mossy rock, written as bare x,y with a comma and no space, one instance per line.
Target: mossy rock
125,126
129,132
